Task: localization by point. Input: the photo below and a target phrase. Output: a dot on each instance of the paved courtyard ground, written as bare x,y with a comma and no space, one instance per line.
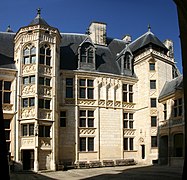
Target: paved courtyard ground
135,172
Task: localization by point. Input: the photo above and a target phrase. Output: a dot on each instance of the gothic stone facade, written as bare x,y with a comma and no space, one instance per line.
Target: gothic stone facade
81,98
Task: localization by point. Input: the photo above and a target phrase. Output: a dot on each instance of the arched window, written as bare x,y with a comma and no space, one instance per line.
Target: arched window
45,55
127,61
29,55
87,53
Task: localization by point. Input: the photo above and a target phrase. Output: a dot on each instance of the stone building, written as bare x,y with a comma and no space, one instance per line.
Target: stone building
82,98
171,127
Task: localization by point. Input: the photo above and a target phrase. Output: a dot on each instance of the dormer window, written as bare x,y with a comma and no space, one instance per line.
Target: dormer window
29,55
86,58
87,53
127,61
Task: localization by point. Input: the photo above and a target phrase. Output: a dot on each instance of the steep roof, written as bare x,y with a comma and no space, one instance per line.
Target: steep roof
38,20
144,40
170,87
7,50
105,55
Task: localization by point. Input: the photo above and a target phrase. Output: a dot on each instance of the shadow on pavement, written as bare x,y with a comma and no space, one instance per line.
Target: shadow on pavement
28,175
143,173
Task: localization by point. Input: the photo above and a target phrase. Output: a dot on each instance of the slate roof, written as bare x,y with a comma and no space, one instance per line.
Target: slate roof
171,87
105,55
7,50
144,40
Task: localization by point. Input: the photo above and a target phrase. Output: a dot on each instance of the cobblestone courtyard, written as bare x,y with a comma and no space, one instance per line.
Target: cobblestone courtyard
135,172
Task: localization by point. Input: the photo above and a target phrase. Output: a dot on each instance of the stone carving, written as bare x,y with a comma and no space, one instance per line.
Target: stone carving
28,112
28,89
44,114
28,68
27,141
130,132
45,143
44,91
7,107
141,140
87,131
45,70
86,102
128,105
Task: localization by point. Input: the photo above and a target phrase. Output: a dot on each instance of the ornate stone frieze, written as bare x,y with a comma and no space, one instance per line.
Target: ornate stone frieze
28,112
44,91
27,141
101,102
117,103
45,70
29,68
176,121
28,89
129,132
45,143
7,107
86,131
69,101
109,103
128,105
86,102
44,114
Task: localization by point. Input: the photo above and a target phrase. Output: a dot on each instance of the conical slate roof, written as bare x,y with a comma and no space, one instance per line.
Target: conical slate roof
38,20
144,40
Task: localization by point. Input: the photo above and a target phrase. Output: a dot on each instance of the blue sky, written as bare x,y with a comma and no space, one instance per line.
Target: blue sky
121,16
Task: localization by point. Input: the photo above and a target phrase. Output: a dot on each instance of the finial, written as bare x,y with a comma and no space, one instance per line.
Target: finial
38,11
149,27
9,29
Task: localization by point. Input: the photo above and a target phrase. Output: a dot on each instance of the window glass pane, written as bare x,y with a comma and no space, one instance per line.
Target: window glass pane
31,101
24,130
131,124
31,129
1,85
125,124
153,121
175,112
125,115
90,144
83,113
41,103
69,81
41,131
90,83
124,96
131,88
83,58
7,123
33,59
82,122
33,50
69,92
152,84
7,85
41,80
25,80
90,113
125,143
90,122
26,60
90,93
47,104
131,143
152,66
26,52
82,93
7,135
32,79
62,122
153,141
82,144
153,102
62,113
82,82
124,87
48,61
47,131
25,102
130,116
42,58
47,82
48,52
42,50
6,97
130,97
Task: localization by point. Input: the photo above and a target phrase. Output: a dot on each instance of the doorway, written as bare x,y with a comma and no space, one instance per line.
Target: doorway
28,159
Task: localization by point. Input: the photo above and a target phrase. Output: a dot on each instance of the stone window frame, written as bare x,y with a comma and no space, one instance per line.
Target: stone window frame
86,90
128,143
29,127
5,91
45,55
128,120
29,54
127,94
69,87
86,144
63,118
86,120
